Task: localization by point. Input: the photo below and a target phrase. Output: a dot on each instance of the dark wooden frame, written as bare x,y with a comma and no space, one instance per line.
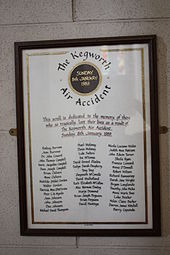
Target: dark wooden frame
151,41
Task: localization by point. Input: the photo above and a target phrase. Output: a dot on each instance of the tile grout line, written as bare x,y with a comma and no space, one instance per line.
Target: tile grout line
88,21
85,246
73,10
4,131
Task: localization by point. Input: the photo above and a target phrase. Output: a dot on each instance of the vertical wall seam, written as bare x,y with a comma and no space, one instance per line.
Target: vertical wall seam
77,241
73,10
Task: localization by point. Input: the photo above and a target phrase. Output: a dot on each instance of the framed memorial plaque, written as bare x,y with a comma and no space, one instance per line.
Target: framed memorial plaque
87,130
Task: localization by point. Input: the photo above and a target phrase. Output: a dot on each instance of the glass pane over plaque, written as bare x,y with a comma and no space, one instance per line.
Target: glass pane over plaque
88,137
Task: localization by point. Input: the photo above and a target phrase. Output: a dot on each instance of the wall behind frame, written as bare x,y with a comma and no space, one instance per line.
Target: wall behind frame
28,20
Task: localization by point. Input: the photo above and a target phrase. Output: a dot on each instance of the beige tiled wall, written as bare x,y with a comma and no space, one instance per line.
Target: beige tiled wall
27,20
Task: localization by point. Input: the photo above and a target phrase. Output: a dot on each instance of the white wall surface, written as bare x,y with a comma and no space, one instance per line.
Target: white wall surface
29,20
